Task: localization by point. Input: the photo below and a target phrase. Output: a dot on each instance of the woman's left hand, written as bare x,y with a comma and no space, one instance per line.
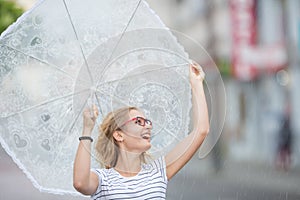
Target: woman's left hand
196,74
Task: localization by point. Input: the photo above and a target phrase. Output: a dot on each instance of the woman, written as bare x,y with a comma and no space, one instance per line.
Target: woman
122,144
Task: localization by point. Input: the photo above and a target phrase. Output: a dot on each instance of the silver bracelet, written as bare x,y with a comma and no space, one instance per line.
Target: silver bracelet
86,138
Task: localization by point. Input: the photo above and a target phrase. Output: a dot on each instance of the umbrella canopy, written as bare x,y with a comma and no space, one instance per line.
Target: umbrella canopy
63,53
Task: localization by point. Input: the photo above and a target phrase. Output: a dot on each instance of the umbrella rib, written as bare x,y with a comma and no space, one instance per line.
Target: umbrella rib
43,103
42,61
116,98
114,49
99,105
77,38
123,32
77,116
130,76
148,48
73,124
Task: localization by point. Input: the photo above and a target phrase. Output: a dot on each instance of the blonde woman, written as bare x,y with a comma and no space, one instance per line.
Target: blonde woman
122,144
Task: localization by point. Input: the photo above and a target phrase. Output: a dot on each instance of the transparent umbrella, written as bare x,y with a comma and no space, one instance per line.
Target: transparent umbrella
61,55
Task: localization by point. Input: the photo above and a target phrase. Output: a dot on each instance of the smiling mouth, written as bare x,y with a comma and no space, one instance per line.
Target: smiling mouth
146,136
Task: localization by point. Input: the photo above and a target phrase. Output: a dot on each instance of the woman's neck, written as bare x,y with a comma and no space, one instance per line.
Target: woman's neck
128,164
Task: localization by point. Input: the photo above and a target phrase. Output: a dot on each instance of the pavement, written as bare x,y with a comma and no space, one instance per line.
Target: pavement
235,180
197,180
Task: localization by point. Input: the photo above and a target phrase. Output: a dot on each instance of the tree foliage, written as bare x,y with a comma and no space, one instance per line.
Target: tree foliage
9,12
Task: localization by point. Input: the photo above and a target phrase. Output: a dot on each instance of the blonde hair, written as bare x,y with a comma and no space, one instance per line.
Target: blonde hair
107,148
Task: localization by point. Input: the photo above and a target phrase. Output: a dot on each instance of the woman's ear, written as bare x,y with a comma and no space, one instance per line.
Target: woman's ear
118,135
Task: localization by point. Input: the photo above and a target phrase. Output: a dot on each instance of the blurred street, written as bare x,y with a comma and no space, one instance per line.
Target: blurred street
243,181
196,181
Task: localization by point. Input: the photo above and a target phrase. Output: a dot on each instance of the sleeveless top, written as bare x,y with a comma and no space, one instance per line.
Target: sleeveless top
149,183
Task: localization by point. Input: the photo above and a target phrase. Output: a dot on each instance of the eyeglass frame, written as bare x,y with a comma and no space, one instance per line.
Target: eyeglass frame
146,121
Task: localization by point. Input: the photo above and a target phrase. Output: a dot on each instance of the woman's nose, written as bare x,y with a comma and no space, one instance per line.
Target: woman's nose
148,126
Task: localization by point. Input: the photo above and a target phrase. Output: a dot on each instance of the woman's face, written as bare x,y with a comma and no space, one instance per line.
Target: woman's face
136,133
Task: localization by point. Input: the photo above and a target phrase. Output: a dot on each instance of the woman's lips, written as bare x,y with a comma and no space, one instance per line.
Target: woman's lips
146,135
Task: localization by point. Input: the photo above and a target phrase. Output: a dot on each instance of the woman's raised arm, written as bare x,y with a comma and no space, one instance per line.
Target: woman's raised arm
85,181
186,148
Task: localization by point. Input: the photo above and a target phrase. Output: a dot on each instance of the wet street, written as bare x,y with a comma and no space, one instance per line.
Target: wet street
196,181
236,181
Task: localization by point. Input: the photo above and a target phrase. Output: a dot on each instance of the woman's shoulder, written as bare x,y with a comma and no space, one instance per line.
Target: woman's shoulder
103,172
156,163
158,167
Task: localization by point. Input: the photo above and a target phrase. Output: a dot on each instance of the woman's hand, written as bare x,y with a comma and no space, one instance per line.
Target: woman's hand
196,74
89,119
85,181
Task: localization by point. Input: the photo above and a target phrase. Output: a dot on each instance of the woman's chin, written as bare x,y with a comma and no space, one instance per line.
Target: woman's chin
148,146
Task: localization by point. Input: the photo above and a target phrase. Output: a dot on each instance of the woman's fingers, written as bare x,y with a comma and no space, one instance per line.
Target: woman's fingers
196,71
90,115
95,111
91,112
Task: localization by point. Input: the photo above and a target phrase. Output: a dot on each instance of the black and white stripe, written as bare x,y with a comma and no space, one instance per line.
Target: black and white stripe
149,183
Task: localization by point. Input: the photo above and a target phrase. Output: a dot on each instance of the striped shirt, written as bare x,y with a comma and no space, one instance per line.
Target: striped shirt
149,183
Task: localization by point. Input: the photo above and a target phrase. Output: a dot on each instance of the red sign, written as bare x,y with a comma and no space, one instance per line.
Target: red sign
244,37
248,58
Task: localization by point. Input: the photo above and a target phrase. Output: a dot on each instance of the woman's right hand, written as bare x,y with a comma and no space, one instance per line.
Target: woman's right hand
89,119
196,74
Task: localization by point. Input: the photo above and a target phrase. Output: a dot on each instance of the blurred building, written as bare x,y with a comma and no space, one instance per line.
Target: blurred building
259,40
